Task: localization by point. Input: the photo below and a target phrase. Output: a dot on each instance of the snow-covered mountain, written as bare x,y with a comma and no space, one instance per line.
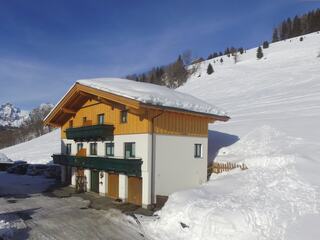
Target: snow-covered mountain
11,116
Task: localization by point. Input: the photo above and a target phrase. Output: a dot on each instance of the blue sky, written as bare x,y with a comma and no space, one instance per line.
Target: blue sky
47,45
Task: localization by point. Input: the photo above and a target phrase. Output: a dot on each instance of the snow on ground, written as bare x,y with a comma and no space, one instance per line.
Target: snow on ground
275,113
4,158
38,150
28,214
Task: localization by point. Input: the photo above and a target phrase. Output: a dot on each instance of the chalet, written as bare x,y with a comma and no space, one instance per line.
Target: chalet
130,140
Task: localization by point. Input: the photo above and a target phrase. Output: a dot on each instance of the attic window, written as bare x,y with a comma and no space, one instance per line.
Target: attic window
100,119
84,120
124,116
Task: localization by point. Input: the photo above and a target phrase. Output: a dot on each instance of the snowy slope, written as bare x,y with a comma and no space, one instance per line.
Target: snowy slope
38,150
274,105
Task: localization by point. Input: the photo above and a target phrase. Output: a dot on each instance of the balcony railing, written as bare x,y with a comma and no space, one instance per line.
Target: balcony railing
131,167
91,133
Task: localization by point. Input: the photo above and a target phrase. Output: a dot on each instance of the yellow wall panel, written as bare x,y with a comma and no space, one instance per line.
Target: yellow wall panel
170,123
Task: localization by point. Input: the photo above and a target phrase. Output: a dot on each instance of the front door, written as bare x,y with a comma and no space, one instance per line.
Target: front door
135,190
113,185
95,181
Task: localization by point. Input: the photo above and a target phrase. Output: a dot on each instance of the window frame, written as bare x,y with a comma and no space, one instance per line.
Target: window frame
78,149
84,121
98,119
68,149
198,150
123,113
92,153
132,150
112,149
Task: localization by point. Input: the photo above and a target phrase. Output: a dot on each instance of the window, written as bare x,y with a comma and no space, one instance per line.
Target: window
124,116
93,149
129,150
198,150
110,149
101,119
79,146
68,149
71,124
84,120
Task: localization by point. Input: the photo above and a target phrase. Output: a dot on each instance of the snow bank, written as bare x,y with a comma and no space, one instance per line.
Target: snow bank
4,158
258,203
152,94
38,150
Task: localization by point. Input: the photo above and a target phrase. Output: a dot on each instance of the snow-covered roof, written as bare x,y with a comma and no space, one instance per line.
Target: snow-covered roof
152,94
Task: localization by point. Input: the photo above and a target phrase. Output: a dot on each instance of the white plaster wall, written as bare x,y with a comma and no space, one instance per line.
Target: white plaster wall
143,151
73,176
175,166
123,187
64,142
87,173
103,183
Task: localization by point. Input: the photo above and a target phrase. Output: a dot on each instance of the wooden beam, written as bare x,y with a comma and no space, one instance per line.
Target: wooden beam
84,94
67,110
109,96
111,103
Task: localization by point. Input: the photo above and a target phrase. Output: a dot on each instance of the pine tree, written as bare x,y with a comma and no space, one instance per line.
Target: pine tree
259,53
240,50
284,31
289,28
210,69
296,27
275,35
265,44
221,60
210,57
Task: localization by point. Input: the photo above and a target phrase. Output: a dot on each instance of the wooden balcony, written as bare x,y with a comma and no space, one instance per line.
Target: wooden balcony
101,132
130,167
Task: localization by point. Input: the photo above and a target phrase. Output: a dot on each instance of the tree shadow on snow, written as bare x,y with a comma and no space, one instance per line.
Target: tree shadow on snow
218,140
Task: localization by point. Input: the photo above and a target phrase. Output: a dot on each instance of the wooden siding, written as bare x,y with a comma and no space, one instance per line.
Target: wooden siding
140,121
113,185
92,108
135,190
171,123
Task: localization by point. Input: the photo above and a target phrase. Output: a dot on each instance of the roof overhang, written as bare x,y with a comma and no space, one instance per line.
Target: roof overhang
79,94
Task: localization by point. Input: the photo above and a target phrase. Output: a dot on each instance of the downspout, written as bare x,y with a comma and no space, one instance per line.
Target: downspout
153,164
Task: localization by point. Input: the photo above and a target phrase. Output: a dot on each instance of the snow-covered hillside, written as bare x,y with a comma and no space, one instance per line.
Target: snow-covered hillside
38,150
274,104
